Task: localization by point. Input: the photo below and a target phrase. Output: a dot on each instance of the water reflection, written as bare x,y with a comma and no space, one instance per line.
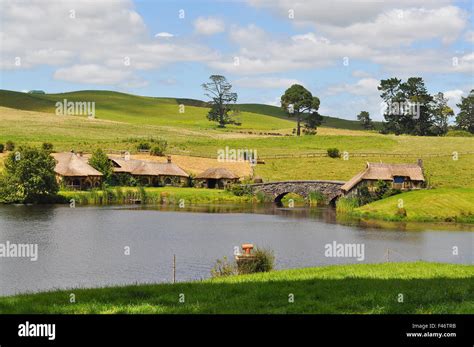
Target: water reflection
84,246
325,214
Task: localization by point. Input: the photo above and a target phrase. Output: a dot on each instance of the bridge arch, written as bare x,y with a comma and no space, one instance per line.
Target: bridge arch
277,190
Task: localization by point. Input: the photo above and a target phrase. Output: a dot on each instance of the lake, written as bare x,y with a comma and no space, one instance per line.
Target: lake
100,246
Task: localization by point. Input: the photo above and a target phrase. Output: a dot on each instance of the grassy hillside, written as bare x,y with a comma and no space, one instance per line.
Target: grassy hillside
80,133
363,288
137,109
161,111
330,122
124,120
425,205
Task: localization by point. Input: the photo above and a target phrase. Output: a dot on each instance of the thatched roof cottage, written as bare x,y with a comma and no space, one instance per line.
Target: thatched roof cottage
216,178
74,172
399,176
152,173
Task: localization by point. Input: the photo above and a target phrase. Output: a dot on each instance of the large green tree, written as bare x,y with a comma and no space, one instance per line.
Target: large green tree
364,118
28,177
101,162
408,106
465,117
298,102
312,121
223,110
441,114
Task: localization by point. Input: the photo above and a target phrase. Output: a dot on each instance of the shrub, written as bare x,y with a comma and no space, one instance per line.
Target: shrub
316,198
364,196
159,149
124,180
262,197
459,133
309,131
9,146
401,212
263,261
143,146
333,153
223,267
382,188
46,146
346,205
240,189
2,147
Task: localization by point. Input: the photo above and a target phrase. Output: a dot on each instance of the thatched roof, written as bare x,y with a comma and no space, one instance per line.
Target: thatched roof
217,173
126,166
381,171
72,165
147,168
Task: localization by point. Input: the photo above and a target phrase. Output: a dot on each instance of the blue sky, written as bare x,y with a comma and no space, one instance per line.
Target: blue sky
339,50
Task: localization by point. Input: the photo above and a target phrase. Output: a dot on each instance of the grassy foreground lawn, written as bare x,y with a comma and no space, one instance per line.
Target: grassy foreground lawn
361,288
436,205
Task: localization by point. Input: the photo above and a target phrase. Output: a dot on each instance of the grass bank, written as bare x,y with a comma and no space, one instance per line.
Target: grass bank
433,205
362,288
152,195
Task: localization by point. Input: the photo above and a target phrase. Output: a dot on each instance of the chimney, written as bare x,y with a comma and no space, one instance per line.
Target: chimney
420,163
169,159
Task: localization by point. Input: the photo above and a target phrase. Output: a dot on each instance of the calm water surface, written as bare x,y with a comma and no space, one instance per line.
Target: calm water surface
85,246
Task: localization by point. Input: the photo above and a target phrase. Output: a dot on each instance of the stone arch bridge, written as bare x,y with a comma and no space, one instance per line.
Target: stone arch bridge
277,190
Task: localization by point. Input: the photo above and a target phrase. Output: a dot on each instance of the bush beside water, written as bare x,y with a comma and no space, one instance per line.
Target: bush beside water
263,260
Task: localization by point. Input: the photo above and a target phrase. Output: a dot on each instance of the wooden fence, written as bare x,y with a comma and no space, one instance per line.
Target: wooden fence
316,154
363,154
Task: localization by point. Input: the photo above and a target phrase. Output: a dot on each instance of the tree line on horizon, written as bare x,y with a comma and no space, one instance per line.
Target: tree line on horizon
433,113
431,116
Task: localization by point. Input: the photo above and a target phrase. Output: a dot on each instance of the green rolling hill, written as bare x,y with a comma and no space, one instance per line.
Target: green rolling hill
330,122
138,110
162,111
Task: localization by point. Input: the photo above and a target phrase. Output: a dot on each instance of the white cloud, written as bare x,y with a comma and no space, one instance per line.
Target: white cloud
164,35
364,86
106,41
381,32
416,62
360,74
469,36
340,13
134,82
209,25
275,102
92,73
261,53
454,98
454,95
403,27
108,33
266,82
